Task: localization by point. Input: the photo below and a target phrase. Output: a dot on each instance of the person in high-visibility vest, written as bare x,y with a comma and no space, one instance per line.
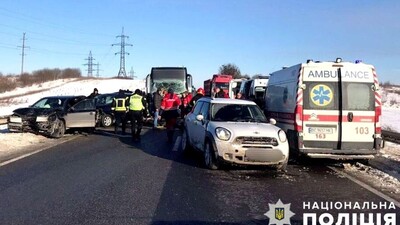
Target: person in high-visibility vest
136,106
119,107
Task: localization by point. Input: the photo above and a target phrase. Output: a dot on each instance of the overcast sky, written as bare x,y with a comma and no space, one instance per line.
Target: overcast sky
259,36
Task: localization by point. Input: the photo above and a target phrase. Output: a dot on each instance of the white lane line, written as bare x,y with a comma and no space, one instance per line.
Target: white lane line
177,144
366,186
32,153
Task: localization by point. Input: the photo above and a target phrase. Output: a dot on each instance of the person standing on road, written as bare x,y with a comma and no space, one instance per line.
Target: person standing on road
192,102
157,99
119,107
94,93
136,107
169,106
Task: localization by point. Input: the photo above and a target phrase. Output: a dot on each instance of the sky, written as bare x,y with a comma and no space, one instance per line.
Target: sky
258,36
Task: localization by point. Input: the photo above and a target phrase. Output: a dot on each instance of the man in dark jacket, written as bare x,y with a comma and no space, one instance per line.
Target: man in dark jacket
200,94
94,93
157,99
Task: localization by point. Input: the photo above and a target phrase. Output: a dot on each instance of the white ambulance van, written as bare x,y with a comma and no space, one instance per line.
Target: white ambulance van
328,109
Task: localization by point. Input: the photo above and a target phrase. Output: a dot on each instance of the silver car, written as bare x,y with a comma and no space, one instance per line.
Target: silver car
52,116
234,131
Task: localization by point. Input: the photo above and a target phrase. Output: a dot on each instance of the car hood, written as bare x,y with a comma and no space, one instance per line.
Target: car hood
33,112
248,128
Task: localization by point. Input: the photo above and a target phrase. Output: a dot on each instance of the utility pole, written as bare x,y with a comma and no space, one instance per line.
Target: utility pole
90,64
23,52
132,74
122,72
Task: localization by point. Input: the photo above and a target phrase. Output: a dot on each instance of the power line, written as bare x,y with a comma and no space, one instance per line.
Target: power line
122,72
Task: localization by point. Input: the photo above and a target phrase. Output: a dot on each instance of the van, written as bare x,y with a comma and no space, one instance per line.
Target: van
257,90
328,109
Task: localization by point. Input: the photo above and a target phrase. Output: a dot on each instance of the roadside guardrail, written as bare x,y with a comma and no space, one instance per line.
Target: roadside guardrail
391,136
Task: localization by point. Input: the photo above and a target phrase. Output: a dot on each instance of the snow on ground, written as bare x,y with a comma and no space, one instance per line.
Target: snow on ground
12,100
380,180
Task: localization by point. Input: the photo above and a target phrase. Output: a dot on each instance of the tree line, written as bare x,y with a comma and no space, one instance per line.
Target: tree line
11,81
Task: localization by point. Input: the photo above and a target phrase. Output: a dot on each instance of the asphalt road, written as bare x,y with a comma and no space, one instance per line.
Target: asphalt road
107,179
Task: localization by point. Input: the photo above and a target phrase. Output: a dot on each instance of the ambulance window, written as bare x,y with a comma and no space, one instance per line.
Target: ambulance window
359,96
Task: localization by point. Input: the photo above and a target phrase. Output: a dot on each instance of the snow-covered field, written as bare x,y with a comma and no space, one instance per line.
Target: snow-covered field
17,98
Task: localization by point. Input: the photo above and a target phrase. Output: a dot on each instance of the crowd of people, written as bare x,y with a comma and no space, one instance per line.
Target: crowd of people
163,105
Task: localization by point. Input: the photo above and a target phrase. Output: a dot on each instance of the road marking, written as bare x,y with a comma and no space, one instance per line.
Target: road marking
177,144
34,152
366,186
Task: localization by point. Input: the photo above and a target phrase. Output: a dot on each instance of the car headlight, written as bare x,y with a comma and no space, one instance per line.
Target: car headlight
282,136
42,119
222,133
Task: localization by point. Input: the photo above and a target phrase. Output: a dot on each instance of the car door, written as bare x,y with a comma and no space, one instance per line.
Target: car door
199,127
82,114
191,122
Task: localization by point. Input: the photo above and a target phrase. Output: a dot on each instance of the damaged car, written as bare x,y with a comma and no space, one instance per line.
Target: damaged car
52,116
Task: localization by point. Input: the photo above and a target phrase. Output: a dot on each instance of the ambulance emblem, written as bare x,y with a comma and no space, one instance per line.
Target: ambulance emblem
321,95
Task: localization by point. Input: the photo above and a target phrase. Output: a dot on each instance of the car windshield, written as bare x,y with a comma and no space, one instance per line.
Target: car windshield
49,103
237,113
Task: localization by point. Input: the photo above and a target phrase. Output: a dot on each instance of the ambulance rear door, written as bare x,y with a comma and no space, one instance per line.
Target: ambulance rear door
338,110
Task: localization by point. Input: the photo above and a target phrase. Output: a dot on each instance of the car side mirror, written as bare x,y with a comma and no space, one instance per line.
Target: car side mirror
200,117
272,121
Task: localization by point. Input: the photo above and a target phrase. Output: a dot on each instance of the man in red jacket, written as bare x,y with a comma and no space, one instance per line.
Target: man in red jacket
169,106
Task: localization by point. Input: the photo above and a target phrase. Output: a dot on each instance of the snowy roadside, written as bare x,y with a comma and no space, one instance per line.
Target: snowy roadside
14,145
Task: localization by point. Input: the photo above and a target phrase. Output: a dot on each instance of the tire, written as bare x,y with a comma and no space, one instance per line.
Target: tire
282,167
106,120
186,146
58,129
210,160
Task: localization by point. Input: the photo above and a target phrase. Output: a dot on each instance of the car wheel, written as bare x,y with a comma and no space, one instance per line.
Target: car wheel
186,146
210,160
58,129
106,120
282,167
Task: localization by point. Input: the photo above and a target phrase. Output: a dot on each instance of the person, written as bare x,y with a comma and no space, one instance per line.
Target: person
94,93
185,99
199,94
216,91
239,95
220,93
119,108
157,99
136,107
170,111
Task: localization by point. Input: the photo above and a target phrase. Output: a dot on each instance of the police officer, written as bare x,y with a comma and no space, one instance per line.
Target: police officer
119,107
136,108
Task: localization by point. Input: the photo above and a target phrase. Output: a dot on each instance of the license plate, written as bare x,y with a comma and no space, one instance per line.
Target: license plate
320,130
15,119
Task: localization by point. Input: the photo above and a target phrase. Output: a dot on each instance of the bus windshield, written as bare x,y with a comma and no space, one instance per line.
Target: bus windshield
169,78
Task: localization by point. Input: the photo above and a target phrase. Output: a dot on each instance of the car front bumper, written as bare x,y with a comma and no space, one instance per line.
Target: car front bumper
252,155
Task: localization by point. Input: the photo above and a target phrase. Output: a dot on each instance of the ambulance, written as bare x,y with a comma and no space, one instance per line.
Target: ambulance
327,109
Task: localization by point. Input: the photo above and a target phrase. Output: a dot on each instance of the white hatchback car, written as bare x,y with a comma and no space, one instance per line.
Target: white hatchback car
234,131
